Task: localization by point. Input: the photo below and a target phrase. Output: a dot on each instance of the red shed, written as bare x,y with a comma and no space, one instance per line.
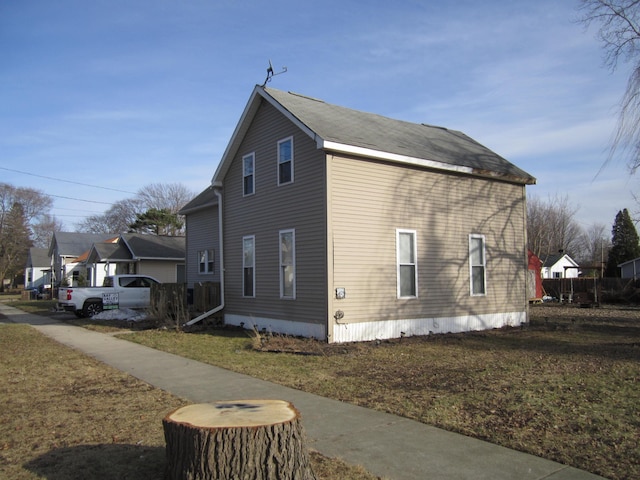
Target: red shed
534,280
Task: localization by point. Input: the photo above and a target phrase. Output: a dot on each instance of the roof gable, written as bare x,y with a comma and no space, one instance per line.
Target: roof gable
556,258
73,244
155,247
38,257
109,252
348,131
206,198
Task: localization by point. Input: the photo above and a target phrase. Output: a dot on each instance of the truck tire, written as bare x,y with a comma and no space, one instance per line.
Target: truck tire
92,308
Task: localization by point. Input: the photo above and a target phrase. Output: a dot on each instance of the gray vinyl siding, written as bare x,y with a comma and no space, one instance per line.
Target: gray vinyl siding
202,234
299,206
370,200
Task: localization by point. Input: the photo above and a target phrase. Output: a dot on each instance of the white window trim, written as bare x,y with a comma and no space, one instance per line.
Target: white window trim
293,259
280,142
484,265
253,265
206,262
253,175
400,231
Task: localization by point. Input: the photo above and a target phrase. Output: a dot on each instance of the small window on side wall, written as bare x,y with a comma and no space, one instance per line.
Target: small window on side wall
285,161
288,264
407,264
248,266
477,265
248,175
205,261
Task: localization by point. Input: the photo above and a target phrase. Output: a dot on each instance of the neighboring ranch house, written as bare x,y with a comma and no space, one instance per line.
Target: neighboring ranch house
64,250
37,273
349,226
560,265
162,257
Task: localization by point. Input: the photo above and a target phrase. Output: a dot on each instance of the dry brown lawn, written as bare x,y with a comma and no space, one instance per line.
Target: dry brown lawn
564,388
67,416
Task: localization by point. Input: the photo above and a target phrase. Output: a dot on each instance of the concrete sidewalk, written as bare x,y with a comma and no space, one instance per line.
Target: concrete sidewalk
386,445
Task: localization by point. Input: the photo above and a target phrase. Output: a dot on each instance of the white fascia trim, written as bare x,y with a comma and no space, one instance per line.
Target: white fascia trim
394,157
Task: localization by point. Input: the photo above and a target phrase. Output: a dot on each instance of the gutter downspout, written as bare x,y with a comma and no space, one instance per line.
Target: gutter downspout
221,249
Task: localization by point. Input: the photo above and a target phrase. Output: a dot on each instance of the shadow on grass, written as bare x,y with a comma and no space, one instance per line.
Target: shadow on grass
104,461
611,342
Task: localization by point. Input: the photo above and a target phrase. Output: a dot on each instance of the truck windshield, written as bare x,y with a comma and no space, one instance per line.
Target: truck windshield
107,282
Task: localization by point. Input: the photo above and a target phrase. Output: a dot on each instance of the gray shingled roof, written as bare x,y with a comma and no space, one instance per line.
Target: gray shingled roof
554,258
206,198
38,257
340,129
370,131
72,244
112,252
155,247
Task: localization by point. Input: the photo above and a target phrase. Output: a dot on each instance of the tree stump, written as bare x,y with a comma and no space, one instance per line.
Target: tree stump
238,440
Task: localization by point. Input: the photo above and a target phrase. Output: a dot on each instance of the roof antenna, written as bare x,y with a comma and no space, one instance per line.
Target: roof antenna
270,73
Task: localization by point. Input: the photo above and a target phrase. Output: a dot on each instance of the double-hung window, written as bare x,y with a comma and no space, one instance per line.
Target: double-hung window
205,261
248,175
288,264
477,265
285,161
248,266
407,263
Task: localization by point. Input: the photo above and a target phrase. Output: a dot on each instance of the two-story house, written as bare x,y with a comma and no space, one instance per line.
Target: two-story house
347,226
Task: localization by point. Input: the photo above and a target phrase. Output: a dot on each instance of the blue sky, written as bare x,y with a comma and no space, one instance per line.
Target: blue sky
115,95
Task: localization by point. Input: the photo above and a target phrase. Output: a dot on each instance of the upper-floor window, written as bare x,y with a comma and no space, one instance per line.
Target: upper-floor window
248,266
285,161
248,176
407,263
477,265
288,264
205,261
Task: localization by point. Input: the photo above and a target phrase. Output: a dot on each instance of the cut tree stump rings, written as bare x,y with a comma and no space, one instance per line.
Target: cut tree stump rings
237,440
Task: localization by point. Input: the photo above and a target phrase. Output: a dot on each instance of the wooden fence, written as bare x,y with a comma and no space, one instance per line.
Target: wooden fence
178,303
589,290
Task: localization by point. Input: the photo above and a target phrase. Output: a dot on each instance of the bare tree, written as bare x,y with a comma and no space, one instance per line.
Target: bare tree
551,226
115,220
42,230
33,202
36,206
155,196
14,243
165,196
595,245
620,33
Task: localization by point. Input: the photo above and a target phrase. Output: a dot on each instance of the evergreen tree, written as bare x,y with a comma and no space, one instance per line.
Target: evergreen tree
15,241
156,222
625,244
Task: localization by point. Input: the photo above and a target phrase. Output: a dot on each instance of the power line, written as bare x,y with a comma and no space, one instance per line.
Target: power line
80,199
66,181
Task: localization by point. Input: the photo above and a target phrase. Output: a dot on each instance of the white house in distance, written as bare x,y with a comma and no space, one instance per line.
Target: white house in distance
37,273
560,265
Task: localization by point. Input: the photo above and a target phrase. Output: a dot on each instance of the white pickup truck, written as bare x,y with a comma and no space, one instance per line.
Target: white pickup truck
117,291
